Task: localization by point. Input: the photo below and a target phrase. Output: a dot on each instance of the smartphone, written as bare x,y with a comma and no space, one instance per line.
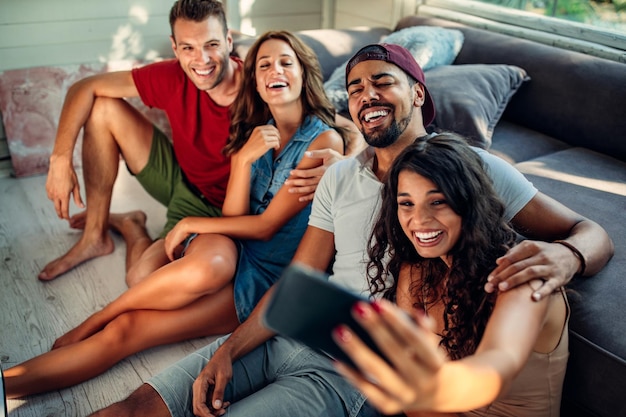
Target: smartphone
306,306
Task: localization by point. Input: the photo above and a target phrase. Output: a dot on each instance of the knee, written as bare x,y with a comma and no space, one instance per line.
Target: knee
121,330
101,112
208,274
133,276
137,272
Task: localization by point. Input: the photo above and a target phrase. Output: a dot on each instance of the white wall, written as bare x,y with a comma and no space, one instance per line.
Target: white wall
254,17
58,32
383,13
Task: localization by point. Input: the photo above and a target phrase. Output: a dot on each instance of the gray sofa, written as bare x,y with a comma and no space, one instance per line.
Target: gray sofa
565,129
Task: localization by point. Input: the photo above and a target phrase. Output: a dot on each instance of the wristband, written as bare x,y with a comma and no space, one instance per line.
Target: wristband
577,254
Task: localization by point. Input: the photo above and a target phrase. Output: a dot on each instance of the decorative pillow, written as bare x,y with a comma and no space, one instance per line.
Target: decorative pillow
470,99
431,46
30,104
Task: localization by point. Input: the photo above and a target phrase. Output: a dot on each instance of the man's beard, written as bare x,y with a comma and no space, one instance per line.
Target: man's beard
223,66
387,137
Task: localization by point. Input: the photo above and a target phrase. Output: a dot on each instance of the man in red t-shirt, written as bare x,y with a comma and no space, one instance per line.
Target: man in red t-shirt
188,175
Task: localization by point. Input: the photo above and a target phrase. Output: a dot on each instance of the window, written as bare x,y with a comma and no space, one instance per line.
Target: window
594,27
610,14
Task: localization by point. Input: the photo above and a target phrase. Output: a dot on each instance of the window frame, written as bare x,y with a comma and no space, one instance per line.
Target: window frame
592,40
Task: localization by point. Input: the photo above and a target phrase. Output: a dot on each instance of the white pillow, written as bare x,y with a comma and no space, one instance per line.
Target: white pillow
431,46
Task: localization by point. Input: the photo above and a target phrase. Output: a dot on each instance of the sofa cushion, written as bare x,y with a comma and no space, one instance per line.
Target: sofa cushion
515,143
593,185
431,47
470,99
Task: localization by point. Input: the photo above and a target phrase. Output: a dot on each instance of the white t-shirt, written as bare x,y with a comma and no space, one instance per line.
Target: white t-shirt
347,202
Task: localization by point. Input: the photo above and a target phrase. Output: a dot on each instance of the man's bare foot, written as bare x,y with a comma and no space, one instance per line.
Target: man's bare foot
128,223
82,251
77,221
122,223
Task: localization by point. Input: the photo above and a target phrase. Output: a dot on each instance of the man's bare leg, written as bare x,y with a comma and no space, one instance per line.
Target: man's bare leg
130,225
143,402
113,126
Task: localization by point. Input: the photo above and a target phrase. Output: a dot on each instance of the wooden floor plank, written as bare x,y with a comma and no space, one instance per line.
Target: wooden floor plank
33,313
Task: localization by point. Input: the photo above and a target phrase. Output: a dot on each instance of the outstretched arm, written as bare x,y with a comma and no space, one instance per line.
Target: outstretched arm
547,220
419,377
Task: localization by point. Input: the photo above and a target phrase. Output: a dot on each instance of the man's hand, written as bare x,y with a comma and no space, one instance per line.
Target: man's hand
550,262
304,181
62,183
212,380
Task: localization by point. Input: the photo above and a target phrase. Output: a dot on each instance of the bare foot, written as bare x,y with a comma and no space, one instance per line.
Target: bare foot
129,222
122,223
77,221
82,251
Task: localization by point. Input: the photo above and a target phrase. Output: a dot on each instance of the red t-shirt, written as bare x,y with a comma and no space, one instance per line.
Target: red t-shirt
200,127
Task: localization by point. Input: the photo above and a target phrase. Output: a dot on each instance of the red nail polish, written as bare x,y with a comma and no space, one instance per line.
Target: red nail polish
360,310
343,334
377,306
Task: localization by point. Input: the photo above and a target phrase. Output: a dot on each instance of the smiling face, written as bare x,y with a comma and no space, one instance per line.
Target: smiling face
425,216
202,50
278,73
382,102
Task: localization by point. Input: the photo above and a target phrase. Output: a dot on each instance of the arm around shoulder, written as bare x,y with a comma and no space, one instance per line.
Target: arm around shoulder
546,219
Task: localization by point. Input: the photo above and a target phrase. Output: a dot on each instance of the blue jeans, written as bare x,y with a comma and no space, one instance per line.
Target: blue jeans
279,378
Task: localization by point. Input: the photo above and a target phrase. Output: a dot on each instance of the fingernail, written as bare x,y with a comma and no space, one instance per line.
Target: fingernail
489,287
490,278
360,309
503,286
536,296
343,334
217,404
377,306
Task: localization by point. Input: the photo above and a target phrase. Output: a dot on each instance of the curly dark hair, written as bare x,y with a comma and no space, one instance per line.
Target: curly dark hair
198,11
249,110
457,170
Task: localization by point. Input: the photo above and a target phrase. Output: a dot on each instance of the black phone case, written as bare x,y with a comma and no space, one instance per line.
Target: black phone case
307,307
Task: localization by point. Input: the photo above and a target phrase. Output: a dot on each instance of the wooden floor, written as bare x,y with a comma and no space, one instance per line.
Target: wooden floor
33,314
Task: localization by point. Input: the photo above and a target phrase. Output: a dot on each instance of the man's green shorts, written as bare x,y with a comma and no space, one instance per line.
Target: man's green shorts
163,179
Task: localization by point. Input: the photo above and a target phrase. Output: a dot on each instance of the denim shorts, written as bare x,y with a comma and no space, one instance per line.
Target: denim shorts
163,179
251,281
280,378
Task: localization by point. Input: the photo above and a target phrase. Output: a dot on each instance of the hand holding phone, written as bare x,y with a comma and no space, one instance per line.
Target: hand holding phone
306,307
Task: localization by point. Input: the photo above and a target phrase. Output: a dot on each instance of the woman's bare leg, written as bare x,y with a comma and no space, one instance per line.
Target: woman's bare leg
129,333
208,266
